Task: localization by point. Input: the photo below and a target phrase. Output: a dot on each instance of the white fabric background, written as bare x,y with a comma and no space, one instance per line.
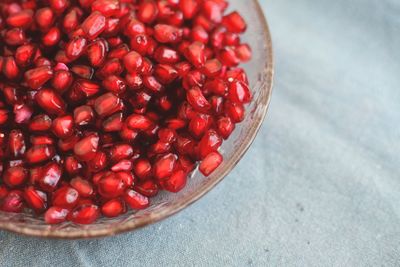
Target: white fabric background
320,186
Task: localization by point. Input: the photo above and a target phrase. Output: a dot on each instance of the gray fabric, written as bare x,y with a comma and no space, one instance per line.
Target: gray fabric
320,186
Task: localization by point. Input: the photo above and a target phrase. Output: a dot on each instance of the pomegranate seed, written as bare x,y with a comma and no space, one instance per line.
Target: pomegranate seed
50,101
44,18
194,53
113,208
65,197
166,55
167,34
96,52
40,123
147,12
59,5
84,214
114,84
110,67
83,115
94,25
234,22
225,127
15,176
120,152
87,87
98,162
210,163
111,186
62,80
16,144
235,111
164,166
71,21
40,153
108,104
72,166
13,202
138,122
10,68
239,92
22,113
86,148
49,176
197,100
133,61
56,215
15,36
147,188
113,123
243,52
52,37
35,199
189,8
75,48
24,54
176,182
21,19
36,78
136,200
84,187
107,7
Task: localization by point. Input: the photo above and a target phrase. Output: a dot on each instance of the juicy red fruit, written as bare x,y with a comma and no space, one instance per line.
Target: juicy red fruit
105,103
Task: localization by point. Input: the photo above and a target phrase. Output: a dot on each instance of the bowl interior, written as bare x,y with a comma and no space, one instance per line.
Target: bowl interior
260,72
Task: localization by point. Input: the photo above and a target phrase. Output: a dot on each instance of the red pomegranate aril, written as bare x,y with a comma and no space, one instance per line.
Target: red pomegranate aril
41,140
114,84
70,21
63,126
111,67
50,101
56,215
24,54
194,53
52,37
243,52
13,202
86,87
164,166
22,113
176,182
40,123
136,200
239,92
15,176
75,48
40,153
228,57
128,134
72,166
15,36
235,111
113,208
62,80
225,127
84,187
68,144
96,52
49,176
10,68
83,115
147,12
113,123
193,78
87,147
166,55
189,8
59,5
94,25
108,104
212,68
37,77
21,19
210,142
16,144
35,199
121,151
133,61
138,122
44,18
147,188
84,214
123,165
199,124
197,100
234,22
106,7
111,186
65,197
210,163
98,162
164,33
142,169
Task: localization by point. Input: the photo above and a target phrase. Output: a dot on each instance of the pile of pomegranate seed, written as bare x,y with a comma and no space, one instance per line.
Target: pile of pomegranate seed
103,103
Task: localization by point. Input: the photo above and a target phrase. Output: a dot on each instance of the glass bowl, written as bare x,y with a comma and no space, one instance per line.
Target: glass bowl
260,72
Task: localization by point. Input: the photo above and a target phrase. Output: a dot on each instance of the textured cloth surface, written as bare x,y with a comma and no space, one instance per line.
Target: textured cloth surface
321,184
